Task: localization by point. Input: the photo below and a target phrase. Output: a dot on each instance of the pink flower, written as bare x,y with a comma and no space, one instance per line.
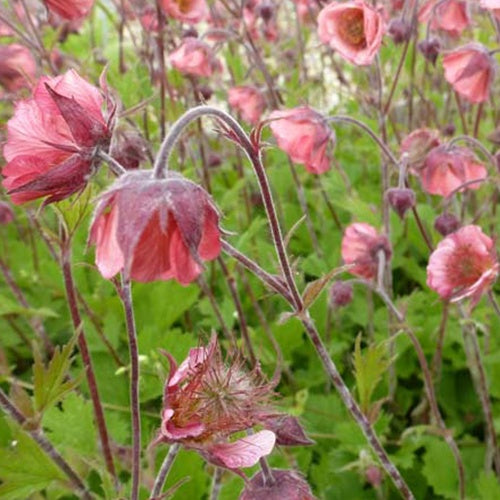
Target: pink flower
304,135
259,17
446,169
17,67
52,139
206,401
249,101
470,70
464,264
306,10
155,229
354,29
360,246
451,16
493,5
70,9
187,11
194,57
417,145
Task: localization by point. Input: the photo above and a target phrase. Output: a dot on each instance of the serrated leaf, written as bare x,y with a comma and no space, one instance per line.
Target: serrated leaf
440,469
369,366
50,385
487,486
25,469
8,307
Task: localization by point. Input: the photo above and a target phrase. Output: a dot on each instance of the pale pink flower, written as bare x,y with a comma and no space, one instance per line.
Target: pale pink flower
304,135
354,29
470,70
187,11
206,401
155,229
493,5
17,67
417,145
451,16
361,245
52,138
195,58
464,264
446,169
248,101
70,9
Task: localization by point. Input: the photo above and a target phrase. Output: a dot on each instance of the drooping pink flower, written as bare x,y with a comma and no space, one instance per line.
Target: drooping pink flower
52,138
354,29
470,70
187,11
417,145
451,16
70,9
155,229
287,485
361,245
207,400
446,169
464,264
17,67
493,5
306,10
304,135
194,57
248,101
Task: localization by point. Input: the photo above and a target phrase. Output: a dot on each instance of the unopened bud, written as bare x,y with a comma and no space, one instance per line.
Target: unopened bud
340,294
449,129
205,91
446,223
399,30
401,200
190,32
430,49
288,431
374,476
266,10
214,160
287,484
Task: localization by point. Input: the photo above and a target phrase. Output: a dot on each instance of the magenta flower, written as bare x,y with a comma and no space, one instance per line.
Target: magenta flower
70,9
249,101
52,139
206,401
470,70
304,135
446,169
195,58
354,29
360,246
464,264
187,11
155,229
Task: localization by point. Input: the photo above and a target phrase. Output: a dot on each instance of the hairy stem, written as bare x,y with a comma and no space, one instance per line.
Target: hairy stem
164,470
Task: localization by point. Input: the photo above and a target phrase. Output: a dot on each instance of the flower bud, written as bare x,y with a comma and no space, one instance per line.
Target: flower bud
446,223
205,91
430,49
214,160
449,129
288,484
6,213
399,30
401,200
340,294
190,32
288,431
266,10
374,476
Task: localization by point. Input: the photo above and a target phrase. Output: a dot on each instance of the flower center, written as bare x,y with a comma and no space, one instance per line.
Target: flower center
352,28
184,5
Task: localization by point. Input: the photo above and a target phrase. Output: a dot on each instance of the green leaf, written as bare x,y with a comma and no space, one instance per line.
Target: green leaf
487,486
369,366
440,469
25,469
50,384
